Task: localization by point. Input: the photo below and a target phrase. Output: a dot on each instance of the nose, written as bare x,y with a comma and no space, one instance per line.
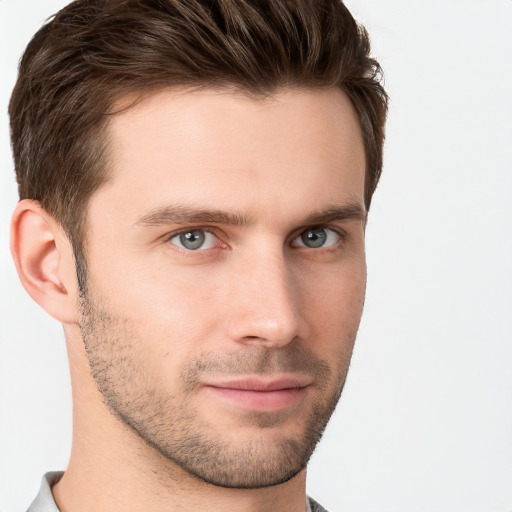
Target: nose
265,302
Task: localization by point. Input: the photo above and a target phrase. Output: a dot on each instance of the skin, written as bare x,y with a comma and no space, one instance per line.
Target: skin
159,326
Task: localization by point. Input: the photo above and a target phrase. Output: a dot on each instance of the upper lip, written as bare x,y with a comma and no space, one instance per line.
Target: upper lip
262,383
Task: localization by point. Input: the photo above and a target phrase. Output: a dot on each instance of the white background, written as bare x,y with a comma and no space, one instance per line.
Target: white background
425,422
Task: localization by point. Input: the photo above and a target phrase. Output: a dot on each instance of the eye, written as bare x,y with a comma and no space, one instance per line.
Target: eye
315,238
194,239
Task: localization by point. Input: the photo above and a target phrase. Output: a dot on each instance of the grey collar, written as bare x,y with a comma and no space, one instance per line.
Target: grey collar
44,501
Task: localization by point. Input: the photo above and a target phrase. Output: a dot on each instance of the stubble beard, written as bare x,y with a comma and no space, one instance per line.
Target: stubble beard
170,423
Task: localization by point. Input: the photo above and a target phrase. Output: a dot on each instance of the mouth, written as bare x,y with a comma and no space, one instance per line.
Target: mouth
265,394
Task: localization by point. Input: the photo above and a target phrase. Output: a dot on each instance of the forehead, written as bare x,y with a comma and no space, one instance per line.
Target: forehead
224,148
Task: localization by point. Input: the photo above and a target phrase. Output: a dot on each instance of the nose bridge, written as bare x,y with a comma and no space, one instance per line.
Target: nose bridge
265,305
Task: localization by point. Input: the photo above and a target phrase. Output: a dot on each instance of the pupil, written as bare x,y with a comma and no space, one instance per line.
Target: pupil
192,239
314,237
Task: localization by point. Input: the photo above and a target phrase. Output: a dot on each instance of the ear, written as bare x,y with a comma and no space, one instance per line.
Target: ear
45,261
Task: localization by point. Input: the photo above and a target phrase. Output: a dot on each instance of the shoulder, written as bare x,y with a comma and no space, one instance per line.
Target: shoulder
316,507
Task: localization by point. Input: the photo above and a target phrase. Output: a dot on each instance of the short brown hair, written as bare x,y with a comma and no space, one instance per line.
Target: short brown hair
93,53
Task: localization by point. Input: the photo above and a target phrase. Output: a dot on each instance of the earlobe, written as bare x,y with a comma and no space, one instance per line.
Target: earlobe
44,260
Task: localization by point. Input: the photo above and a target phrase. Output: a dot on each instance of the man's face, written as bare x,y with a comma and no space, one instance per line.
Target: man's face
226,277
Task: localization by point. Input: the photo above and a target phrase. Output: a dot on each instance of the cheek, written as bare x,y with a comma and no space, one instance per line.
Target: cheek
333,304
174,310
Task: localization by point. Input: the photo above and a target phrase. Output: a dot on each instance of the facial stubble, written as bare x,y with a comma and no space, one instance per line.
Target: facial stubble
171,424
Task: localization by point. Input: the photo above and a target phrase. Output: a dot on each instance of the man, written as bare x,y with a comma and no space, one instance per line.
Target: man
194,183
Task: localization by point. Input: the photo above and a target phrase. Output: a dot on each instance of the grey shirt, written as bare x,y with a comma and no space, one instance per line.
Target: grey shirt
44,501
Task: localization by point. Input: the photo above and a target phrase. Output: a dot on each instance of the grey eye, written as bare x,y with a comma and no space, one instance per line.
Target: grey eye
194,239
315,238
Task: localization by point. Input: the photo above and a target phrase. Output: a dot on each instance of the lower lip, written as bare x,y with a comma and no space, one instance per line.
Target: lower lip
271,400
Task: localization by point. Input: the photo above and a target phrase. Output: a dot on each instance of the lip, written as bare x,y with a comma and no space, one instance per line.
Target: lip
261,393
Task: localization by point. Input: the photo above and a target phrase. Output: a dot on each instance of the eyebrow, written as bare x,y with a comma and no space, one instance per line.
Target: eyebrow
350,211
183,215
